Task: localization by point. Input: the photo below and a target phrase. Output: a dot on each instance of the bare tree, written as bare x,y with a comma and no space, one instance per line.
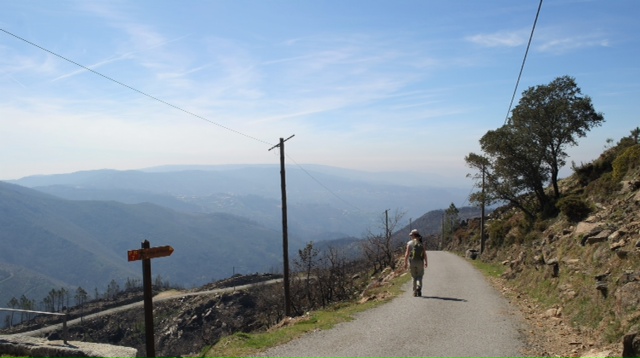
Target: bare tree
379,248
13,303
306,264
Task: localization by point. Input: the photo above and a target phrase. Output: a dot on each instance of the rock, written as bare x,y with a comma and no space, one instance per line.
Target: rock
617,245
594,353
554,268
572,262
631,345
19,345
471,254
616,235
553,312
538,259
603,288
601,283
622,254
592,238
627,299
630,276
587,228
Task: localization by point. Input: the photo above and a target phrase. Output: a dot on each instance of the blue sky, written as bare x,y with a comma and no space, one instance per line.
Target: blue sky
363,84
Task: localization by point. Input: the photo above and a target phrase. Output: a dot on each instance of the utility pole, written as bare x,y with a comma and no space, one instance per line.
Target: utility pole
482,215
386,225
442,236
285,235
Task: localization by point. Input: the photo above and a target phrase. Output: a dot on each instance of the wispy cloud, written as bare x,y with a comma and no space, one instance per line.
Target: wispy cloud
500,39
560,45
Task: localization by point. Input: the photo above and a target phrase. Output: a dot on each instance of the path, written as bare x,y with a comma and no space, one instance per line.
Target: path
459,315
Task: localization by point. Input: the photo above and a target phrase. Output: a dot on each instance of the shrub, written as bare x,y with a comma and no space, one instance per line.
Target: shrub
574,208
603,187
628,160
586,173
497,231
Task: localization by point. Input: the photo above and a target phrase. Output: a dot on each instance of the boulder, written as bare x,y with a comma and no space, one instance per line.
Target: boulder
631,345
595,237
20,345
627,298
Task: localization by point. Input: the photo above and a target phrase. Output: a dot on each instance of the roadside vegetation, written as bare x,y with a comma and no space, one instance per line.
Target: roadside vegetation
579,258
248,344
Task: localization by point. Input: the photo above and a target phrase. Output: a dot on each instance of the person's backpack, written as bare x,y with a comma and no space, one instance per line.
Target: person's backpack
418,251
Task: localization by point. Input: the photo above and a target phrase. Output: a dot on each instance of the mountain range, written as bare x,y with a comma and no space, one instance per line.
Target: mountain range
75,229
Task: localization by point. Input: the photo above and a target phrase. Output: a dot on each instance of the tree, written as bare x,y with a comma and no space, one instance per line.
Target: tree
132,284
379,249
553,117
53,296
526,154
635,134
81,296
27,305
112,290
306,264
453,220
13,303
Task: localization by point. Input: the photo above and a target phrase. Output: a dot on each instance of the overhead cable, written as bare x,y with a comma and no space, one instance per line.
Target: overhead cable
506,120
134,89
171,105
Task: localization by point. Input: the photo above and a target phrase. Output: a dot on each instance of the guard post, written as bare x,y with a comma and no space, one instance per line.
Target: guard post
146,253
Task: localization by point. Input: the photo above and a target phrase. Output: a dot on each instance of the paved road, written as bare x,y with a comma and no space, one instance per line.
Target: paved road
459,315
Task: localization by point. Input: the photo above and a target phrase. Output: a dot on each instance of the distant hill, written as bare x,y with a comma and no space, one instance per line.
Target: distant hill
75,229
85,243
324,202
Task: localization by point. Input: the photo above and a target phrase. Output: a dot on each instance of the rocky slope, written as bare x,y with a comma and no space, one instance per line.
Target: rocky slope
576,276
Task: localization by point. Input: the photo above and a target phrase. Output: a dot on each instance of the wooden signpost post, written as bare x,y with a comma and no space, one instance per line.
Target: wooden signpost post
146,253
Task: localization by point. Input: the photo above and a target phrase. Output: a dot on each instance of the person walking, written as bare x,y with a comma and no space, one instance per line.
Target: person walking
415,258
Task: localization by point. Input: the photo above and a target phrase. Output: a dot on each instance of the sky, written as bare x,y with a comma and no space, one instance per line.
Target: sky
361,84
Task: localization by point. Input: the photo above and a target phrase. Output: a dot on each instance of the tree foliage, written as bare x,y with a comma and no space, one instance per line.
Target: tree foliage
525,155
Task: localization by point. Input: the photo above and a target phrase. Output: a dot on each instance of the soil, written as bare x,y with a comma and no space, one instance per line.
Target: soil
549,334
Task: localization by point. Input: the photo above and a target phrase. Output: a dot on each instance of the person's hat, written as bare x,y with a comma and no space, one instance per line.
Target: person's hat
414,232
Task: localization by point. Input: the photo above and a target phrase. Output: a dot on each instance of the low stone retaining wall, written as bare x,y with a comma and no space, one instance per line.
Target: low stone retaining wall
19,345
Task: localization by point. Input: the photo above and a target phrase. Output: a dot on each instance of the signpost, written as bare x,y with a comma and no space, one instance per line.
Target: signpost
146,253
149,253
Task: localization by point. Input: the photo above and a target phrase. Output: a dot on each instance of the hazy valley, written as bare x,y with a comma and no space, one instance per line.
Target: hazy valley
74,230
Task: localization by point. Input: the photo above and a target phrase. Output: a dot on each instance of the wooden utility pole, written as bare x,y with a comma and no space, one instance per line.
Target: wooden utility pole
285,235
482,216
386,225
442,235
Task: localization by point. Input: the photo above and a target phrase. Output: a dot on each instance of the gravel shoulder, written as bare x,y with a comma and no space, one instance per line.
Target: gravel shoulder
460,314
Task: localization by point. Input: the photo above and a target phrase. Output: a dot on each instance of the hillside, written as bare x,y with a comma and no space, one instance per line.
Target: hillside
47,242
324,202
576,274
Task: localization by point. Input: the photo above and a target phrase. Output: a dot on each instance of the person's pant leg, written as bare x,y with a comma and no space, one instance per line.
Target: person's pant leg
417,271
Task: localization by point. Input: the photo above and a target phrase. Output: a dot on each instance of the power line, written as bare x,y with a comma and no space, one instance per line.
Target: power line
322,185
175,107
523,62
134,89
